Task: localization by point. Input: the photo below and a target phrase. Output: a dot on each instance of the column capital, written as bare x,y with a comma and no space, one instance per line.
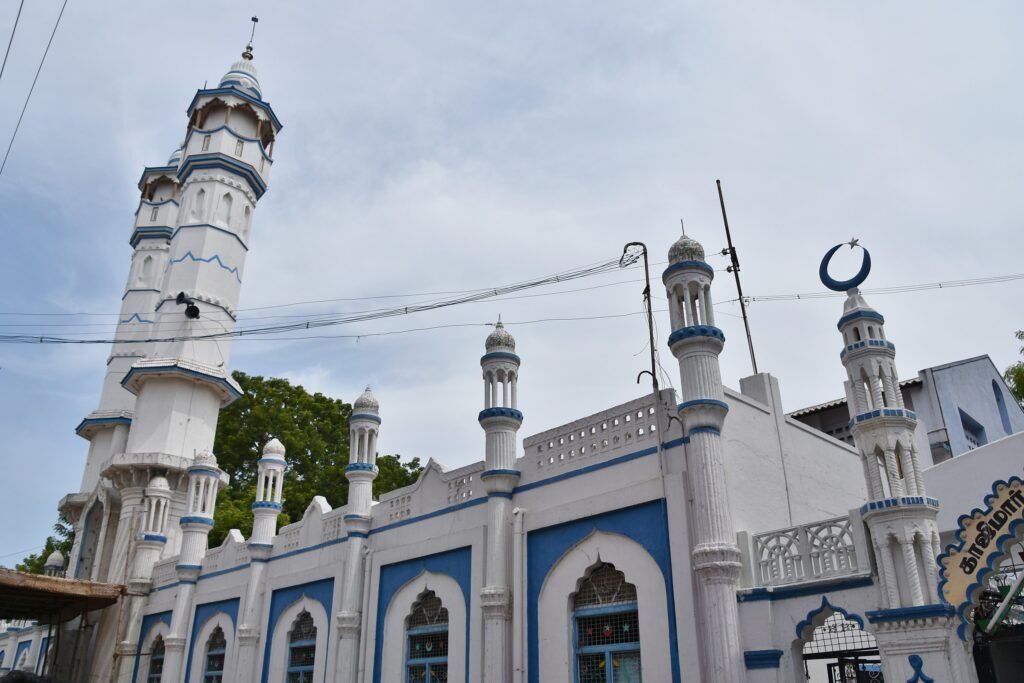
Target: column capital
496,601
248,635
174,644
348,624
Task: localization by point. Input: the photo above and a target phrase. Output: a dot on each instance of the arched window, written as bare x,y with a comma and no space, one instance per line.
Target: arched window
215,648
224,210
197,207
156,661
426,658
301,650
606,628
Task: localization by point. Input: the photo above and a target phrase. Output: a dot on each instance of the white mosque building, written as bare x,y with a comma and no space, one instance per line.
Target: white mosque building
700,537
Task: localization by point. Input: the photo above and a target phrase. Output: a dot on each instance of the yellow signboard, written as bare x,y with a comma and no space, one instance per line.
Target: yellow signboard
982,536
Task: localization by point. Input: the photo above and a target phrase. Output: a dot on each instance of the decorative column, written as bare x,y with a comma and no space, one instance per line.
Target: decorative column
909,621
500,420
696,343
204,481
364,427
265,509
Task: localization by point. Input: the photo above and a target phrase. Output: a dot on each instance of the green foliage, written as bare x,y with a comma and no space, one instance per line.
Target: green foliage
62,540
1014,374
314,431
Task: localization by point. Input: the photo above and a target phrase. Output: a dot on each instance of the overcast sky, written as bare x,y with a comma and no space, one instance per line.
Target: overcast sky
446,146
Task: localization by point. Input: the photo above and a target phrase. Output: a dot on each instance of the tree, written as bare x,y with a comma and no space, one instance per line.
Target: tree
314,431
62,540
1014,374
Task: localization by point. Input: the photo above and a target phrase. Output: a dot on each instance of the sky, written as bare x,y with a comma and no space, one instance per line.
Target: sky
431,147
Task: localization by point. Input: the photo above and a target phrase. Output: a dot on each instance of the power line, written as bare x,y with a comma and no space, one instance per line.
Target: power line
32,89
899,289
11,40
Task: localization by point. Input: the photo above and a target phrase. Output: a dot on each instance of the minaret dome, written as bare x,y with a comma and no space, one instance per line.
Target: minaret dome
500,339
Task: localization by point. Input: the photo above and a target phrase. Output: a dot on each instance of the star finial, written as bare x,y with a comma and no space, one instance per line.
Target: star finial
854,242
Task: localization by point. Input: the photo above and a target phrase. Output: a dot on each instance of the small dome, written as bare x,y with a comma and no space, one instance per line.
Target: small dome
274,447
205,458
500,339
159,482
685,249
175,157
242,75
56,559
366,402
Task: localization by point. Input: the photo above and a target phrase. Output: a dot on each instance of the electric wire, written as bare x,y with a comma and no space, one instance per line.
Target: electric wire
32,89
10,41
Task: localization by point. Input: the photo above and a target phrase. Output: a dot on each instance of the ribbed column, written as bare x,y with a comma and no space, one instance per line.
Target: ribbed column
884,555
909,474
913,576
895,483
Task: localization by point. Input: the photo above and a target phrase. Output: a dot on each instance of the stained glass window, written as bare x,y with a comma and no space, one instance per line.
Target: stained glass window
427,641
156,661
215,648
301,650
606,626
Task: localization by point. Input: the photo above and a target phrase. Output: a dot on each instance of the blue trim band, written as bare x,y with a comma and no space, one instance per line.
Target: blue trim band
762,659
139,234
706,430
364,416
856,315
906,613
188,566
695,332
159,538
261,545
207,226
200,469
360,467
276,461
887,412
499,472
134,317
686,265
193,374
212,259
358,534
499,355
265,505
902,501
262,104
798,591
864,343
135,290
702,402
195,162
159,170
208,521
100,422
500,494
500,412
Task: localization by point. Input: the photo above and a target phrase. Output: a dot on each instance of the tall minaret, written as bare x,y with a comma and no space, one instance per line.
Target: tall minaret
899,514
500,420
269,486
696,343
196,214
364,427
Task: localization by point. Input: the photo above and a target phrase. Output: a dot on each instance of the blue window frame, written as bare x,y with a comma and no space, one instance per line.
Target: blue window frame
426,628
301,650
215,648
606,628
156,661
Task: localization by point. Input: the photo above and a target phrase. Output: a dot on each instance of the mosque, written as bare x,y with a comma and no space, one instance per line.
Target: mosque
705,536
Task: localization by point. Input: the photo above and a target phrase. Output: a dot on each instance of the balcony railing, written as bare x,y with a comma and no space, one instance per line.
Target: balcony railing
819,550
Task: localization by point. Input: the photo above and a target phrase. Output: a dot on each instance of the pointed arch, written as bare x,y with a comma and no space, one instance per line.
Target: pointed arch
198,205
401,607
224,209
281,642
199,650
563,581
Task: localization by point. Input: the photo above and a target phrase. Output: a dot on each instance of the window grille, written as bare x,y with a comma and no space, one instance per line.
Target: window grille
427,641
606,628
156,661
215,648
839,635
301,650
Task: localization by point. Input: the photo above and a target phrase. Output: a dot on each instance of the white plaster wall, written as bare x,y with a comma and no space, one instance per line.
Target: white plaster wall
968,385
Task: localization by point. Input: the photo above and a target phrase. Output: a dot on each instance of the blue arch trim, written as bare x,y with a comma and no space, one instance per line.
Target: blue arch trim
22,646
135,318
647,524
684,265
204,613
212,259
808,621
148,622
843,285
454,563
1002,542
322,591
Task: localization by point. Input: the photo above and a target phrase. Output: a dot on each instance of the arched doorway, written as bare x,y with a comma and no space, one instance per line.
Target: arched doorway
835,648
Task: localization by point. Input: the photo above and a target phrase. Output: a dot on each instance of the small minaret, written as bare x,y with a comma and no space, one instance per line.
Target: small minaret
500,420
269,482
205,479
54,564
696,343
364,427
265,509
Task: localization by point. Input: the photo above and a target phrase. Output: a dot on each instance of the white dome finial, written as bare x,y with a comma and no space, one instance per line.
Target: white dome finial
274,448
366,402
500,338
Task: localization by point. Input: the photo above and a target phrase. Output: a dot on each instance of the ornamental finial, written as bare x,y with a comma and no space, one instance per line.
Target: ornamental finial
248,48
852,283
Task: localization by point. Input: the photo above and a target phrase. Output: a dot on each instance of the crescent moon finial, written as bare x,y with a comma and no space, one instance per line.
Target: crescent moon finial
844,285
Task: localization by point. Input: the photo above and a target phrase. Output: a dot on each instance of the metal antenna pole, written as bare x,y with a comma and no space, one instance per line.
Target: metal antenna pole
735,270
653,372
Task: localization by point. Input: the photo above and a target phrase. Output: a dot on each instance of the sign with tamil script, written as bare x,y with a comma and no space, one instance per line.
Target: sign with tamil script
983,539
